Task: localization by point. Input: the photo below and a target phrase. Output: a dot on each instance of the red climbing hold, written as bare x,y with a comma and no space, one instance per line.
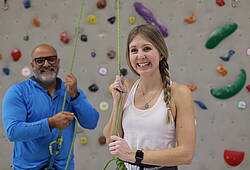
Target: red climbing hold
220,2
233,158
64,37
248,87
16,54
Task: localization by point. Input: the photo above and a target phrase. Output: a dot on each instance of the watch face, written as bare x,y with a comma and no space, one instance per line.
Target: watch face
139,156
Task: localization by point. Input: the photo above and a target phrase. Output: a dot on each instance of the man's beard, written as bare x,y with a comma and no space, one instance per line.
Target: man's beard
46,78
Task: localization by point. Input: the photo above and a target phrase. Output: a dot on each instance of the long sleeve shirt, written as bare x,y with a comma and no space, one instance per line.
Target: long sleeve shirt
26,108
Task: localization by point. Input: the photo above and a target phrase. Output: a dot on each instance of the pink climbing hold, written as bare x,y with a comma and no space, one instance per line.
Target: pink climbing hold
233,158
64,37
220,2
16,54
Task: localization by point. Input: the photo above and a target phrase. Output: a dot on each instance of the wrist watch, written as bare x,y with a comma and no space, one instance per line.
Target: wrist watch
138,157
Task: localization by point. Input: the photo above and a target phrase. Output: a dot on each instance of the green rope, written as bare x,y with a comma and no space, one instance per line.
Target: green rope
72,144
60,138
119,163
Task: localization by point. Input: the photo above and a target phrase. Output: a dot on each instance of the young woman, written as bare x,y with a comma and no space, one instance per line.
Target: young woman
157,125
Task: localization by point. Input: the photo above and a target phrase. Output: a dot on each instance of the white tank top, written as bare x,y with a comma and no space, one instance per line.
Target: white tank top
147,129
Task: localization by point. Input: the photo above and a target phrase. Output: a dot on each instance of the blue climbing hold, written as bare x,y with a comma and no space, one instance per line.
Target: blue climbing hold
227,58
201,104
26,4
6,71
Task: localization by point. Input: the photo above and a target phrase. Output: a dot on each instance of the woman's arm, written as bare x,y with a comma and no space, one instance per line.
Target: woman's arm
109,128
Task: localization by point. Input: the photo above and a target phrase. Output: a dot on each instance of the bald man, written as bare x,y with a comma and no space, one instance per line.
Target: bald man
31,113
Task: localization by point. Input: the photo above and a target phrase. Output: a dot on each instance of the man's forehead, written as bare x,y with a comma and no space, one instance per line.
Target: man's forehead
42,50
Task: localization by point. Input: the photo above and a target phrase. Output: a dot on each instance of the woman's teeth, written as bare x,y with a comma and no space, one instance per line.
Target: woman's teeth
144,64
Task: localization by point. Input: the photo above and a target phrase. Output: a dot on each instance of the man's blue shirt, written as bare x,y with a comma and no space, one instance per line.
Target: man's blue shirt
25,111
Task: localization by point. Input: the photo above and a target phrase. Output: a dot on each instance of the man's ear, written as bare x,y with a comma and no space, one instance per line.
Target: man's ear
32,64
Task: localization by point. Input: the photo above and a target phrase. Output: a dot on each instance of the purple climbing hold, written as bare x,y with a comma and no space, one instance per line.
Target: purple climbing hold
93,54
149,17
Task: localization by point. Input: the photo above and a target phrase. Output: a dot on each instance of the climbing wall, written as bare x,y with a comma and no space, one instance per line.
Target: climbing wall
215,66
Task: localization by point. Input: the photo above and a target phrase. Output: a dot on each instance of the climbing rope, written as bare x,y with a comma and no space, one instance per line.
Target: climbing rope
119,163
60,137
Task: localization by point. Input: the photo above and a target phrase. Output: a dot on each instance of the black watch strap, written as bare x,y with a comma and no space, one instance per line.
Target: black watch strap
138,157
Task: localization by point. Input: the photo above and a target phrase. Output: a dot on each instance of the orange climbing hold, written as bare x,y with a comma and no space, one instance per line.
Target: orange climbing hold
36,22
192,87
191,19
220,69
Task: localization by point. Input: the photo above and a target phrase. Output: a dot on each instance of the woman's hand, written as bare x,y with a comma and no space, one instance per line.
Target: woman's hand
119,148
118,87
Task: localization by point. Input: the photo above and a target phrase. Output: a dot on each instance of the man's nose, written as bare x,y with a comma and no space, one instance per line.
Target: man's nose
46,63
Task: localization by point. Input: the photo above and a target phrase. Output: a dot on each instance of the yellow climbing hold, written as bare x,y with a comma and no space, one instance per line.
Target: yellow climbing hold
131,20
84,140
92,19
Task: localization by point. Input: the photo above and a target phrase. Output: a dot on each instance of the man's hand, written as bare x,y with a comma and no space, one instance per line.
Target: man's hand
61,120
71,84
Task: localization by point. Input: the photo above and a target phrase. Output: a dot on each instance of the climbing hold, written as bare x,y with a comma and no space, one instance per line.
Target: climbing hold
242,105
101,4
111,20
233,158
248,87
64,37
104,106
111,54
26,4
219,34
93,88
221,69
220,2
84,38
227,58
235,3
123,71
93,54
102,140
84,140
201,104
36,22
149,17
192,87
248,51
26,72
103,71
230,89
191,19
16,54
6,71
92,19
132,20
26,37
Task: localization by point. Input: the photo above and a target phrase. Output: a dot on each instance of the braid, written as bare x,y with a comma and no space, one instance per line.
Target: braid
165,76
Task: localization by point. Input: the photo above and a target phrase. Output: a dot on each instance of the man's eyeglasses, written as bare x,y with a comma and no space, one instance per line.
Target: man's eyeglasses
41,60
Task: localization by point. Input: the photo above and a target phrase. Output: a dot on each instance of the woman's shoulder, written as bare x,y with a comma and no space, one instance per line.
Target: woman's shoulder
129,83
180,90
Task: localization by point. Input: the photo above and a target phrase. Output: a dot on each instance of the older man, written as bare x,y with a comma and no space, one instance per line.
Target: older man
31,113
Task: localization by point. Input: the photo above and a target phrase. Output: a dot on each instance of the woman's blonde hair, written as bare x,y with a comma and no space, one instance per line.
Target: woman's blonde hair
154,36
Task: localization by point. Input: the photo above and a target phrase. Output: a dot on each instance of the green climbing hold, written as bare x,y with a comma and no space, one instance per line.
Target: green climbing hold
231,89
26,37
219,34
